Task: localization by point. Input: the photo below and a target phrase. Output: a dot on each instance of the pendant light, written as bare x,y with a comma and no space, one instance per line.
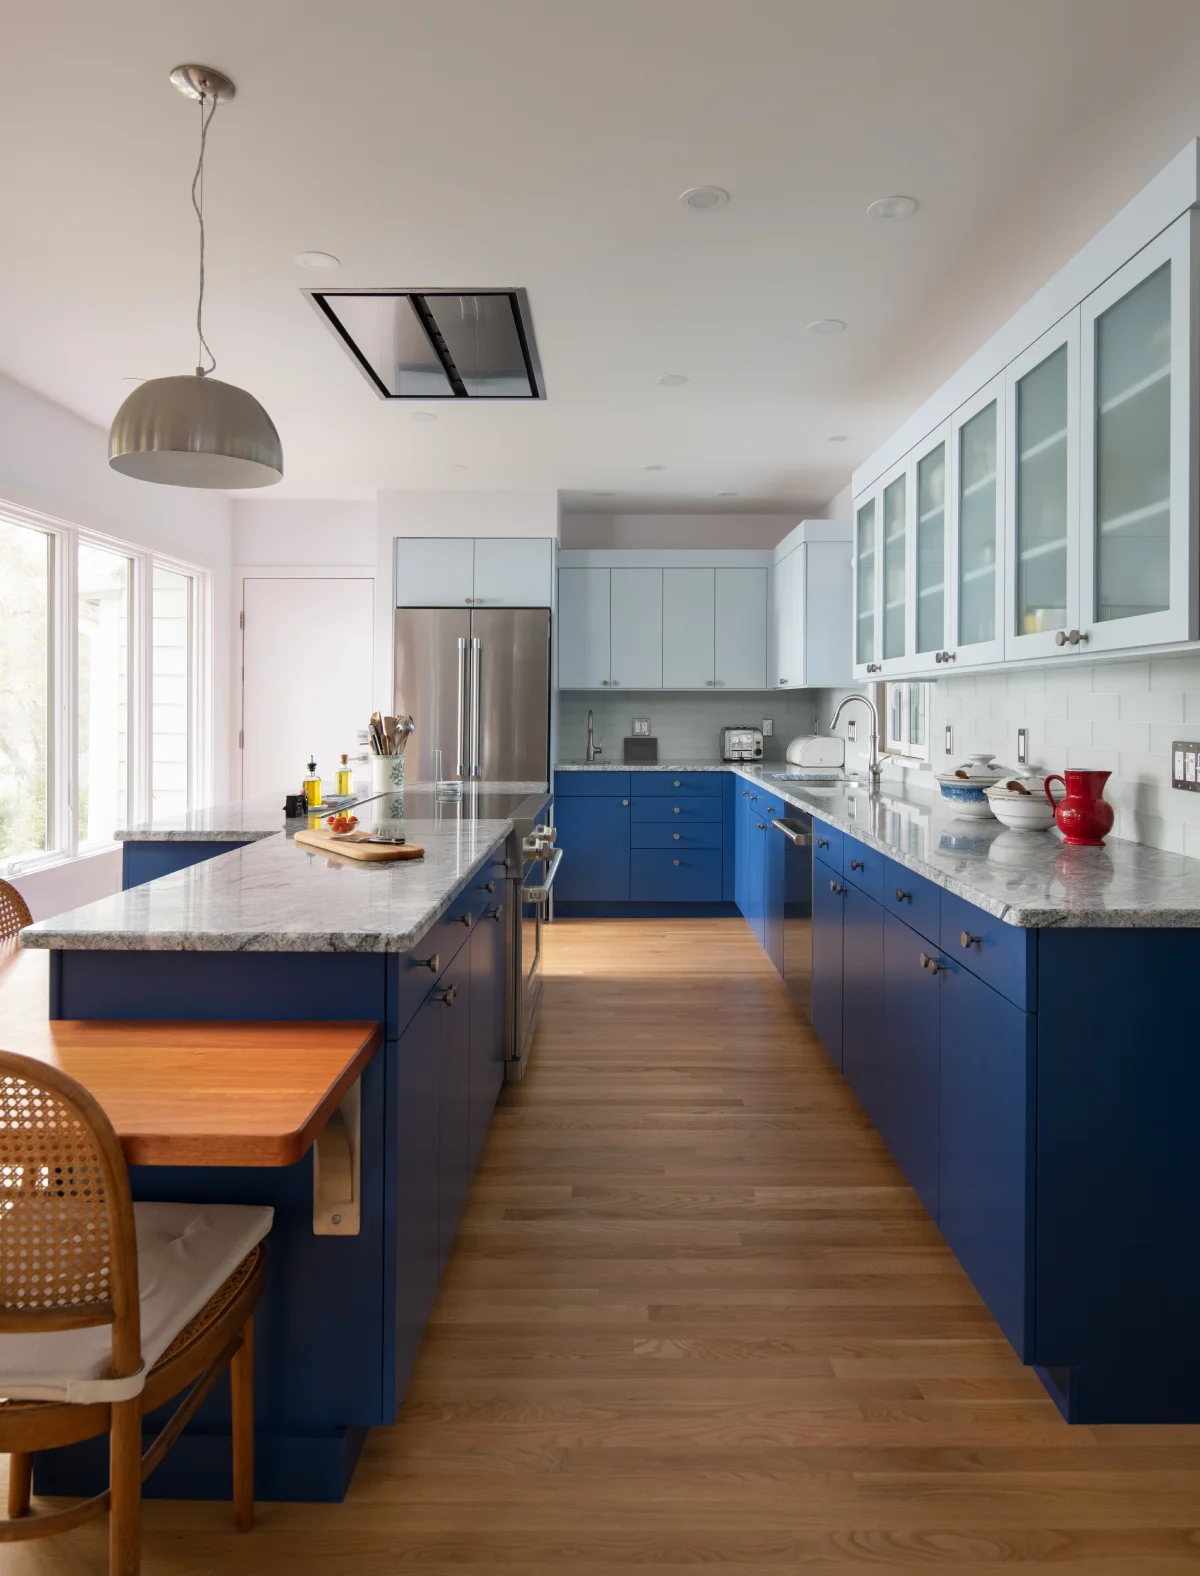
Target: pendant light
195,431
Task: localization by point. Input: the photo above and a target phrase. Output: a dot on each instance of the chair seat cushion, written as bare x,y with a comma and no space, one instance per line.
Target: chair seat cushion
185,1253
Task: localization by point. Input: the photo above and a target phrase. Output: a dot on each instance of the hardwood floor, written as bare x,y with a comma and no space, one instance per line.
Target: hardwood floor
695,1315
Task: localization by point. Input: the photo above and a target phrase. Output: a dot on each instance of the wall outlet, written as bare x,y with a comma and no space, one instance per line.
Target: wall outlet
768,727
641,727
1022,746
949,738
1185,766
852,730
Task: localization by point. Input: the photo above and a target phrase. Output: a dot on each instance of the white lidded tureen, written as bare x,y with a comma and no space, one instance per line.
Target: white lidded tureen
1019,802
964,789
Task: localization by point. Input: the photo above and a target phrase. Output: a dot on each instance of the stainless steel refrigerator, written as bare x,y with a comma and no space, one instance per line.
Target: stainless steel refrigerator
477,682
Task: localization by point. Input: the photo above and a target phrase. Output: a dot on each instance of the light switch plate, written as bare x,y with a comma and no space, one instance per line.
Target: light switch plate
768,727
852,730
1185,766
641,727
949,738
1022,746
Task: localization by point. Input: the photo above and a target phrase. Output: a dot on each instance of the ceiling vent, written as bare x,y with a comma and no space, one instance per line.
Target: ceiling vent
437,344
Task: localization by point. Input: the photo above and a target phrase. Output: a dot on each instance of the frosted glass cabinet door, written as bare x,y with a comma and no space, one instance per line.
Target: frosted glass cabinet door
636,629
896,643
688,629
1138,553
975,628
741,628
583,629
866,553
1042,536
931,551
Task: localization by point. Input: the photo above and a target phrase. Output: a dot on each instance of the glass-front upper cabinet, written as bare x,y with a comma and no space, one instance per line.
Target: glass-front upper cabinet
931,550
975,630
866,610
1042,487
896,644
1137,566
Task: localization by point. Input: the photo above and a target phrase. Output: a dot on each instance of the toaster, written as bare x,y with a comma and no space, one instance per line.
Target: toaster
741,744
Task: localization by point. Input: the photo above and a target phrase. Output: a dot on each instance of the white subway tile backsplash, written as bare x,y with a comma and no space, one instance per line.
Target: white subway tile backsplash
1095,706
1121,736
1122,677
1155,706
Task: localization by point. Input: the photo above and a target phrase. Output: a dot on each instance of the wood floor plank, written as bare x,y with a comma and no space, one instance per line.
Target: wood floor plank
696,1316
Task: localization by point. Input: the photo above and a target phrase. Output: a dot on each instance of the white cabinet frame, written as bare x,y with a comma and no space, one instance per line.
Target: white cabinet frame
915,661
895,667
983,651
1179,621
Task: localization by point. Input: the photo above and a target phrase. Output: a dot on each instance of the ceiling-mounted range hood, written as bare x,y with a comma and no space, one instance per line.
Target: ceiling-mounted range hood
437,344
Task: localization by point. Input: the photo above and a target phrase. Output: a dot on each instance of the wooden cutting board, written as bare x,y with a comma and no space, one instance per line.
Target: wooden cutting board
355,846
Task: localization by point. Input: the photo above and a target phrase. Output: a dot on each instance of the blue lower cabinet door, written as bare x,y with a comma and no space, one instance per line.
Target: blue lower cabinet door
985,1186
453,995
828,910
487,1018
594,837
864,1043
686,875
908,1100
743,827
774,894
418,1057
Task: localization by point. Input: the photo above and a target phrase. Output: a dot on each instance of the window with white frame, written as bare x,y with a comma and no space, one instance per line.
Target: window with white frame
906,720
103,663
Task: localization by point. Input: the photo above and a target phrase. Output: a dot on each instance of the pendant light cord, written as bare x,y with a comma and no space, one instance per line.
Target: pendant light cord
198,204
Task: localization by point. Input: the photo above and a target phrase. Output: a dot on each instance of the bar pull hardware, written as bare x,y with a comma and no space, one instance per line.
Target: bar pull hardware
337,1170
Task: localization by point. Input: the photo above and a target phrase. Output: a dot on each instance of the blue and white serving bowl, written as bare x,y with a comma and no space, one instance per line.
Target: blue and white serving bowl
963,788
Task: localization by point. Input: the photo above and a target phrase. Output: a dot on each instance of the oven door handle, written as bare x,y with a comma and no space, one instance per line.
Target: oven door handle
540,893
800,839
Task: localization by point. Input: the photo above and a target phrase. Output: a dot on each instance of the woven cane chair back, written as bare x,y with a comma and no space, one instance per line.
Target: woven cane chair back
14,912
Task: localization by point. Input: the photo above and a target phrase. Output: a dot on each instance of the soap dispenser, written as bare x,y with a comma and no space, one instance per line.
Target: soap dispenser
312,785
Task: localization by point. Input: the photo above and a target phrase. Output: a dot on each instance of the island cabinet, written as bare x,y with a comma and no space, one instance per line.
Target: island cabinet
146,860
828,946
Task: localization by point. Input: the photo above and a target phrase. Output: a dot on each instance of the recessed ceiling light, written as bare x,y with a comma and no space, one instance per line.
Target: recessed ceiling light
458,470
826,325
320,262
703,199
893,208
673,380
132,381
422,415
654,467
838,437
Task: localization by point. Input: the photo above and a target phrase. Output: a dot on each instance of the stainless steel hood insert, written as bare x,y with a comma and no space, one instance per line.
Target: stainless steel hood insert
437,344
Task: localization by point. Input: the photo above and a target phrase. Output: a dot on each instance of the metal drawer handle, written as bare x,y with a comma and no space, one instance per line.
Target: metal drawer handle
966,940
1073,638
675,835
465,919
496,913
931,964
488,887
677,782
857,864
624,801
762,826
676,809
675,861
448,995
433,964
834,887
902,896
822,842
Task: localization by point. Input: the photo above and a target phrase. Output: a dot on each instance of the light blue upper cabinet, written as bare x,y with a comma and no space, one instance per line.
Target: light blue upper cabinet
688,629
740,636
583,628
636,660
866,587
513,571
435,571
1137,561
787,621
931,551
975,626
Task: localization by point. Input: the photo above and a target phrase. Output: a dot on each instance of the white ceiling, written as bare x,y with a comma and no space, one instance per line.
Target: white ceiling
544,143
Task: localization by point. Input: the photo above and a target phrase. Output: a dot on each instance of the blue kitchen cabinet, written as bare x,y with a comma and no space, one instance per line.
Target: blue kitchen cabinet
828,919
865,1044
146,861
417,1062
488,1025
593,834
905,1099
675,875
454,1100
650,809
775,893
986,1137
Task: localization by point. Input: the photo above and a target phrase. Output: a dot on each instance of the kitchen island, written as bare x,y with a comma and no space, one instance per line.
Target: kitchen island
1015,1017
271,932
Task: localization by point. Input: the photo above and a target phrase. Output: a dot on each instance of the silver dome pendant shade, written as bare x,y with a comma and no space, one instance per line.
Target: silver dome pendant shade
194,430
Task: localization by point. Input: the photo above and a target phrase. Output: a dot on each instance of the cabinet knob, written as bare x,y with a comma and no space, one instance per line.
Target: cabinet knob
857,864
762,826
709,683
902,896
966,940
489,886
616,684
496,913
931,964
822,842
465,919
835,886
783,681
676,783
433,964
624,801
874,667
604,682
447,996
675,811
745,792
675,835
674,861
1069,637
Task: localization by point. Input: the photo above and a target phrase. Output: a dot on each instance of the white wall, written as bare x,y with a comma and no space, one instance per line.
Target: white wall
305,533
588,529
839,507
55,462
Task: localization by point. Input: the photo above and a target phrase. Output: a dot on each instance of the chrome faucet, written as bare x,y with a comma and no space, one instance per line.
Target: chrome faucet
874,764
593,749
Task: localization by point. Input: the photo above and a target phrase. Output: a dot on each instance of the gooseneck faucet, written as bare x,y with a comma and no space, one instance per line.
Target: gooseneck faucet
874,765
593,749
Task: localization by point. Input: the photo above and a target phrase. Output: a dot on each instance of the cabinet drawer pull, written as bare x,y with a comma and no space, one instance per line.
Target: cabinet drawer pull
624,801
465,919
931,964
967,940
676,810
1069,638
902,896
496,913
834,886
488,886
857,864
745,792
762,826
433,964
675,835
604,682
675,862
822,842
447,996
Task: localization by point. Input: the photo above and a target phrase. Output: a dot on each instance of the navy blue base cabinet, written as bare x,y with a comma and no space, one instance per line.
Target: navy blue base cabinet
146,861
1039,1090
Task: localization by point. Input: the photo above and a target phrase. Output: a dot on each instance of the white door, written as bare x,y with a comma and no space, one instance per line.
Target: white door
975,626
826,601
740,640
689,627
583,629
636,629
1137,527
866,585
513,571
787,620
896,535
434,571
307,653
929,552
1041,538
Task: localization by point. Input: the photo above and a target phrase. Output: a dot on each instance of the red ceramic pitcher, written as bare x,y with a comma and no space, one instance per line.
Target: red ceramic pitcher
1084,815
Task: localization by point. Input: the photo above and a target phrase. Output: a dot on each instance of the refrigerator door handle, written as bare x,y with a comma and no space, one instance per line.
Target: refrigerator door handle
476,655
461,768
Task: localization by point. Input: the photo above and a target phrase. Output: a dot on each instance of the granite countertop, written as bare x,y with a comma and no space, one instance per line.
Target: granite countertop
277,897
709,764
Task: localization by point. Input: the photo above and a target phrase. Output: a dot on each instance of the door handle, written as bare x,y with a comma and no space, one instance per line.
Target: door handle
476,660
462,706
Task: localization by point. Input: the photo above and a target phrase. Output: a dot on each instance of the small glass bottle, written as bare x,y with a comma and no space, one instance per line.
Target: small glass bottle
312,785
345,777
